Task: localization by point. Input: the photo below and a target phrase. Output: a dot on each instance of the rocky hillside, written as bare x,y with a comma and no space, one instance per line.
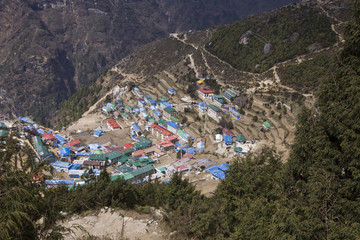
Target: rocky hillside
177,61
51,48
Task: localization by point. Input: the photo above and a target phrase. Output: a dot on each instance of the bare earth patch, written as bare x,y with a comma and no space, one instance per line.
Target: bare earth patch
111,224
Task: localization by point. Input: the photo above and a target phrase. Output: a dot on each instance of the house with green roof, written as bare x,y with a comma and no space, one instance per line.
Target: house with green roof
219,100
125,115
113,157
141,173
163,123
97,157
169,112
240,138
124,169
127,152
143,162
123,159
174,119
214,112
267,125
142,144
238,149
127,176
229,95
181,133
119,102
43,152
150,119
163,98
4,134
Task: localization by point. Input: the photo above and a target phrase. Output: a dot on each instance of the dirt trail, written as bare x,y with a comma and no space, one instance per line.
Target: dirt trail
193,66
341,38
176,36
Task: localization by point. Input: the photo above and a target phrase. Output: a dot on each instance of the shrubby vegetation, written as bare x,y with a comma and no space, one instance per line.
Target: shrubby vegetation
287,32
71,109
304,77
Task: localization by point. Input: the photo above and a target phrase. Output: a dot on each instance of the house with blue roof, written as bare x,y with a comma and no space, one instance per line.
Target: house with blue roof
202,107
106,109
235,113
60,139
172,127
164,104
218,172
65,153
136,110
135,127
157,115
111,106
228,140
171,91
200,146
141,103
153,103
40,131
59,181
98,133
61,166
190,150
143,112
75,173
148,99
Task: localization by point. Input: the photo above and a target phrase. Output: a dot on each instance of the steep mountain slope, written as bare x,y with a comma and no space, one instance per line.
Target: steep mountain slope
178,60
49,49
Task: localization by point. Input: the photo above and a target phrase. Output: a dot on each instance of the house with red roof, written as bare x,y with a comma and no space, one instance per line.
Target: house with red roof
166,146
49,138
173,139
127,146
3,117
160,132
205,92
74,143
113,125
153,150
138,153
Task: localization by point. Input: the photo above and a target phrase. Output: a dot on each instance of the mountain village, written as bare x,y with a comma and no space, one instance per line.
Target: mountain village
151,138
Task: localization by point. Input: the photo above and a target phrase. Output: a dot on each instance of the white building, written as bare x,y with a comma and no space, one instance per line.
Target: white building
214,112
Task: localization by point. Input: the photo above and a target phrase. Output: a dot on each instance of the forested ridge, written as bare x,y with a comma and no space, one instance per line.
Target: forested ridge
257,43
314,195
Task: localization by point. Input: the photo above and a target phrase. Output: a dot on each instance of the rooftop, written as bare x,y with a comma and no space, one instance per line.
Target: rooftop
113,155
206,91
97,157
215,108
169,110
161,130
173,125
142,170
74,142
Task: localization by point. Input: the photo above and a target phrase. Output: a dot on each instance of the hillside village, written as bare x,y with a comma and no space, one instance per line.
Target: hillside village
143,136
160,115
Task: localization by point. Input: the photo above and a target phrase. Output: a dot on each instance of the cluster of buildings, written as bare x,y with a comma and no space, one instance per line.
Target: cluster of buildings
132,161
135,160
216,102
